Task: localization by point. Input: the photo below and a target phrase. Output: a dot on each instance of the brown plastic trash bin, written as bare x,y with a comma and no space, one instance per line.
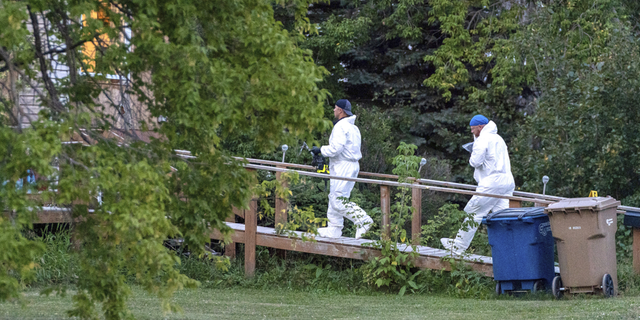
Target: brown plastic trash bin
584,230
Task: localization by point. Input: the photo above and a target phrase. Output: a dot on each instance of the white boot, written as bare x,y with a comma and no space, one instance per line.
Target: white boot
330,232
364,227
450,245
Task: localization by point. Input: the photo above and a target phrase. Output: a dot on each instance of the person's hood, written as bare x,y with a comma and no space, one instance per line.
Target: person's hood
490,128
351,120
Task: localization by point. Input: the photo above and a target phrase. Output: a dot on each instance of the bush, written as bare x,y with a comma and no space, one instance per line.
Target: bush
446,223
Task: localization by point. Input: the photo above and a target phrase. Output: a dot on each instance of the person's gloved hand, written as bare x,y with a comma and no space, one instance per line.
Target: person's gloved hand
316,150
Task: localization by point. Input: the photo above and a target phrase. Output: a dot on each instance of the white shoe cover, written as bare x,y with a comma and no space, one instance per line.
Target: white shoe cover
361,230
330,232
449,245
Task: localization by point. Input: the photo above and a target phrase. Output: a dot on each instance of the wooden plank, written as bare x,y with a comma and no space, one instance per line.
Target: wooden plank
251,223
416,218
238,212
385,207
636,250
237,236
515,204
54,217
327,246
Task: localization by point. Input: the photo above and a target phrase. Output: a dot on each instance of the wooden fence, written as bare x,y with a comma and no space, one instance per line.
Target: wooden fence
248,236
252,235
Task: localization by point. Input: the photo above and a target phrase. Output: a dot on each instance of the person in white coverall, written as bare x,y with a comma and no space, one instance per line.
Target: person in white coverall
344,152
492,172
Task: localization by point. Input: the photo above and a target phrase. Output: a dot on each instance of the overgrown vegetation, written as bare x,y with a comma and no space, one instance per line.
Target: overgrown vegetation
240,78
59,265
393,269
122,86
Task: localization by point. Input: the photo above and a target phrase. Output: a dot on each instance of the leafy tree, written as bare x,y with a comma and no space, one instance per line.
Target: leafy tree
392,56
557,76
582,133
213,70
574,63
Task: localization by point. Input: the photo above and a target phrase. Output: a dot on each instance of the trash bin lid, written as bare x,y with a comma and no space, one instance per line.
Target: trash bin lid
575,204
516,213
632,219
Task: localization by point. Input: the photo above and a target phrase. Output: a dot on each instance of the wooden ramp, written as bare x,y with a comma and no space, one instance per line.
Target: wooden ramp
343,247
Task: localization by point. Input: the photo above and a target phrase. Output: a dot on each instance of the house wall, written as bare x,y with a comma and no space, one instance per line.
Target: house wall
114,101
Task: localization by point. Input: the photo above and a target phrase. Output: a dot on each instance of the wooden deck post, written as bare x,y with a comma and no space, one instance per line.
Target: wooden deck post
416,219
515,204
636,250
281,211
281,204
250,227
230,249
385,207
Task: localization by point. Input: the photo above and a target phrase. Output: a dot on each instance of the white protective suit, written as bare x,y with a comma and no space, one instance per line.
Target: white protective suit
493,175
344,152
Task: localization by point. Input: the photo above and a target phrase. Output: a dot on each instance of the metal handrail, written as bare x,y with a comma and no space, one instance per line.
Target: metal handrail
397,184
391,176
450,187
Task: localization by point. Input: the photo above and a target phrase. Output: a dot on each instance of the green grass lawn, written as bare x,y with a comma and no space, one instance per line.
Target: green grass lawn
240,303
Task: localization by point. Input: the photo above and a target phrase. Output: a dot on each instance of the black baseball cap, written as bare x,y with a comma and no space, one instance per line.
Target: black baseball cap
345,105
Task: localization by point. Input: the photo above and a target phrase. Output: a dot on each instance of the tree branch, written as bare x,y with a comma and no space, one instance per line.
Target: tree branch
63,50
54,103
7,107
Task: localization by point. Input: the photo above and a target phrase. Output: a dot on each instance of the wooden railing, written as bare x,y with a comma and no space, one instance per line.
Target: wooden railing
249,237
417,186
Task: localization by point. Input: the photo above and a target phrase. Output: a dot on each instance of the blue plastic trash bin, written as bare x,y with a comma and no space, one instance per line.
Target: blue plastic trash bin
632,219
521,248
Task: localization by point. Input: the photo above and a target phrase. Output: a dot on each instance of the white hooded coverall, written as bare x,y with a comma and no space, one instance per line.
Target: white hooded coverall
490,159
344,152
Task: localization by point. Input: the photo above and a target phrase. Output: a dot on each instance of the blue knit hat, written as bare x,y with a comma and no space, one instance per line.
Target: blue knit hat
478,120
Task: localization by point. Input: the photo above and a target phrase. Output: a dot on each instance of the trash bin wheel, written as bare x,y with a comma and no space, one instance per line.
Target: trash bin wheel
538,286
607,286
498,288
556,285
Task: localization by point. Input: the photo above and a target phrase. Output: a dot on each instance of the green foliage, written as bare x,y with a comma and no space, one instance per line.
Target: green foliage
437,169
58,265
466,283
442,225
624,240
32,150
628,280
340,36
559,79
377,139
571,69
471,44
406,163
300,271
116,238
393,269
297,219
215,71
582,134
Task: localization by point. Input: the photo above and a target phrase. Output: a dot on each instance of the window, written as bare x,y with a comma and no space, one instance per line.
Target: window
91,48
